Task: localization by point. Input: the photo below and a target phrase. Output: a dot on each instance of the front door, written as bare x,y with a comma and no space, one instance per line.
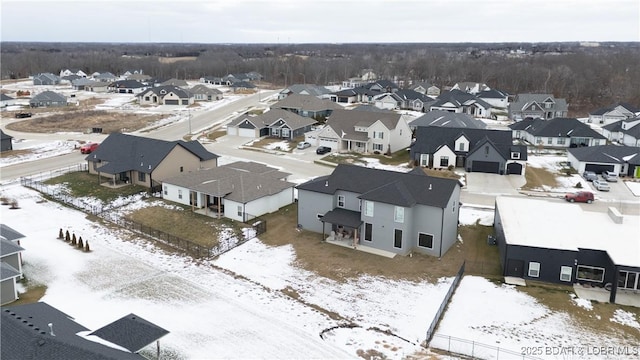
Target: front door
515,268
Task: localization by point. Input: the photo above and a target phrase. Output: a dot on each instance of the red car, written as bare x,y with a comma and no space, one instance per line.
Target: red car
580,196
88,148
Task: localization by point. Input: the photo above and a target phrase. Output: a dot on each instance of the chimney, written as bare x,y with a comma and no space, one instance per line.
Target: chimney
51,329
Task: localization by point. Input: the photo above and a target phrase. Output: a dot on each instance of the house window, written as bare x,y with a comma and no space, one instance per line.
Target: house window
425,240
444,161
377,147
359,204
590,273
560,141
565,273
368,231
549,141
461,146
400,132
398,214
179,194
486,150
596,142
518,134
146,98
629,280
515,155
534,269
378,135
141,176
166,191
368,208
397,239
341,201
239,210
424,160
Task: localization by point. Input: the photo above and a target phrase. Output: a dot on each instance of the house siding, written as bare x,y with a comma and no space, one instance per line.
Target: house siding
481,154
400,137
172,192
384,226
428,220
8,291
442,152
310,204
550,260
170,165
266,204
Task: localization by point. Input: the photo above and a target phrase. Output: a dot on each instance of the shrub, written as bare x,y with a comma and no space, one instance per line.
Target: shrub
80,243
578,185
60,234
73,240
86,246
67,236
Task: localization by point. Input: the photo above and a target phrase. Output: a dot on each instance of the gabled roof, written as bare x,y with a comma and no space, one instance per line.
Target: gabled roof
459,98
281,118
523,101
385,84
7,271
48,75
124,152
203,89
305,102
48,96
431,138
448,119
410,95
344,121
6,232
608,154
175,82
161,91
310,89
391,187
604,110
8,247
105,75
423,84
127,84
26,335
556,127
4,97
131,332
492,94
239,181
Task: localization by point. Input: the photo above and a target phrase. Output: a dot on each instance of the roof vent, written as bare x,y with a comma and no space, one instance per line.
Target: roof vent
326,183
51,329
430,187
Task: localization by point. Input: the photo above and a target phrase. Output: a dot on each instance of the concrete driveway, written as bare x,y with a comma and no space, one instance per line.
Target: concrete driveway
493,184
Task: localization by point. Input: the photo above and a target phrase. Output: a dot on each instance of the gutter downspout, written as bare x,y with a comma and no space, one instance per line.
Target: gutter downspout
441,234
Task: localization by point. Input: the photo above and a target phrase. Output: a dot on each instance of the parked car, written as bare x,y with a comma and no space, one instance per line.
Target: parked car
601,185
88,148
22,115
610,176
580,196
323,150
590,175
303,145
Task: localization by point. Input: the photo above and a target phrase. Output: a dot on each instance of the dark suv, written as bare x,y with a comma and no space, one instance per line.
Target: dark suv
323,150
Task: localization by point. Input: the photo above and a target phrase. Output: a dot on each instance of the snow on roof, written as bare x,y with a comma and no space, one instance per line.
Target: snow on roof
568,227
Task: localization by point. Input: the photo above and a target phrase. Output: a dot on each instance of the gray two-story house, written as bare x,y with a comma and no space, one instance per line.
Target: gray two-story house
396,212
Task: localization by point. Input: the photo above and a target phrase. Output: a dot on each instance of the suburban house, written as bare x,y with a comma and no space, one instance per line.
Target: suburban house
612,114
144,161
556,133
97,86
305,89
574,247
626,132
623,160
10,264
6,141
538,106
46,79
403,99
365,132
475,150
40,331
307,106
213,80
105,77
391,211
69,79
470,87
203,93
165,95
6,100
175,82
447,119
499,100
426,89
81,83
240,191
48,98
126,87
241,85
69,72
275,123
458,101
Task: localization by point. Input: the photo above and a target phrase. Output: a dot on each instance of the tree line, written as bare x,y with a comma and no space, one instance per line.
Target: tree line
587,76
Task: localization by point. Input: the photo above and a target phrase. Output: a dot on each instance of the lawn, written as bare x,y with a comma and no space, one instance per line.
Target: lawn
83,184
538,177
400,157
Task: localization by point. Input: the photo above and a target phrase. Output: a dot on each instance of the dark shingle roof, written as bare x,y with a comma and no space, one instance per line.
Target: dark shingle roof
345,121
26,335
608,154
448,119
124,152
131,332
7,271
391,187
9,233
459,98
556,127
165,89
305,102
5,136
48,96
4,97
309,89
8,247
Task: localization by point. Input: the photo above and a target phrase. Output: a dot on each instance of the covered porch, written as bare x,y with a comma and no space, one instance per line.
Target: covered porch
356,143
603,294
344,231
115,176
207,204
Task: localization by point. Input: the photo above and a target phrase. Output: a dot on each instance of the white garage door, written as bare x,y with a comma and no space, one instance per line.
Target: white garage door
247,132
332,143
232,130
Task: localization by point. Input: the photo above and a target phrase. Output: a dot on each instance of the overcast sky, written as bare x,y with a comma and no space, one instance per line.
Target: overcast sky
325,21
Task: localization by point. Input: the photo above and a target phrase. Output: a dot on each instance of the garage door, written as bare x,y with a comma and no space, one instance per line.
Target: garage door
171,102
514,168
598,168
232,130
333,144
485,167
247,132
